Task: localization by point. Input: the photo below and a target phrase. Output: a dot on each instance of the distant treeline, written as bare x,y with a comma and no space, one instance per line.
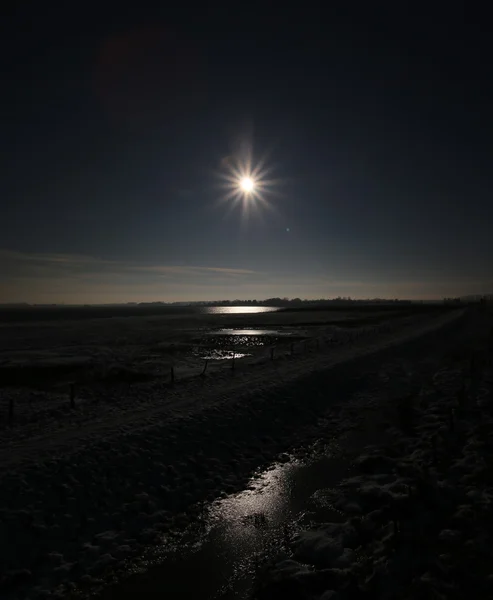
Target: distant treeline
282,302
277,302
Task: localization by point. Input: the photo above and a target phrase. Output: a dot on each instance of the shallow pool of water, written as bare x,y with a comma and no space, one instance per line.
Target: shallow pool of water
217,354
253,332
220,344
237,310
221,560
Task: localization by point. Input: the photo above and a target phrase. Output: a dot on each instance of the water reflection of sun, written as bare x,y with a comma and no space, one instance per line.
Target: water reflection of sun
267,497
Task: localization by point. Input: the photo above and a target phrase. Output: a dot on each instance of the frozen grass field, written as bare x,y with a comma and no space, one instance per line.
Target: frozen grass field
43,348
87,491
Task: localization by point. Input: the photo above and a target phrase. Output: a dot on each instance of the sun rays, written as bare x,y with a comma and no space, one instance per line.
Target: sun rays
246,185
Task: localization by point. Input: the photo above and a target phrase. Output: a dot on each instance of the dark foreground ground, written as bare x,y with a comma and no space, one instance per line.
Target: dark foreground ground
88,497
413,516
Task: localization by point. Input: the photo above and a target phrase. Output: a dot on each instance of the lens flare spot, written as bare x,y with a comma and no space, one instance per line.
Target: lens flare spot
247,184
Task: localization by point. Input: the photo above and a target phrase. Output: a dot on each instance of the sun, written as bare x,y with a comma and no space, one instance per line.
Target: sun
247,184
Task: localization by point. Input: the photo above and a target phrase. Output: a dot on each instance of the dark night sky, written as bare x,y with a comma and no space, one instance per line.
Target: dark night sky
373,119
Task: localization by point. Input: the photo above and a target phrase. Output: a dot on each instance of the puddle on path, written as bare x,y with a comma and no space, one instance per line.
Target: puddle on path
238,528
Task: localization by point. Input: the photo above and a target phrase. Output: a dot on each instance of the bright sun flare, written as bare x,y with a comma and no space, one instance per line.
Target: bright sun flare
247,184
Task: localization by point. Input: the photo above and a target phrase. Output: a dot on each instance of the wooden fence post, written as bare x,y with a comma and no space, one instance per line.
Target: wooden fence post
205,368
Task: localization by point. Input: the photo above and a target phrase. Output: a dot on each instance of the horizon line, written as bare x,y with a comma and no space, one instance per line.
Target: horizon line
245,301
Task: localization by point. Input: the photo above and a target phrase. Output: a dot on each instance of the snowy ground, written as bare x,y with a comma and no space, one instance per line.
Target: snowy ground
82,490
414,517
129,349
